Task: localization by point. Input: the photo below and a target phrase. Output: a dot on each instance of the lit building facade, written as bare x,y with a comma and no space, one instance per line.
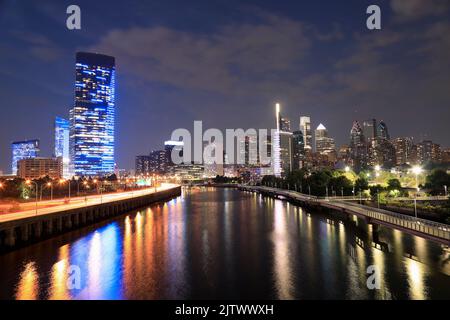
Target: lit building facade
305,128
23,150
61,143
403,150
358,147
298,150
281,148
93,115
35,168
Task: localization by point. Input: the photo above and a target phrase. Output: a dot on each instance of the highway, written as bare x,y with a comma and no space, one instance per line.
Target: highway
53,206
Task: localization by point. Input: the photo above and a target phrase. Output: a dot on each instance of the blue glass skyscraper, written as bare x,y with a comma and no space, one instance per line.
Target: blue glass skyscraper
92,117
23,150
62,133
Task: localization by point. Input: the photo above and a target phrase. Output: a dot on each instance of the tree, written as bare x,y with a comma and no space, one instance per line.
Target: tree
437,181
341,183
394,184
361,184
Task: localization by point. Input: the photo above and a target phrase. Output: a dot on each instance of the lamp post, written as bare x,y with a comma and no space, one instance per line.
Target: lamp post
28,182
49,184
417,170
342,192
445,191
415,203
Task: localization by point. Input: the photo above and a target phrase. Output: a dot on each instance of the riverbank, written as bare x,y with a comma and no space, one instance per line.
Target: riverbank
21,229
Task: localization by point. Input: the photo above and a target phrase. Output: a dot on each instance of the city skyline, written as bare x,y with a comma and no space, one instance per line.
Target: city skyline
150,107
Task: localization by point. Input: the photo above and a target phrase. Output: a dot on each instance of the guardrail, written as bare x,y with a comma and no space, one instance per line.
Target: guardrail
419,226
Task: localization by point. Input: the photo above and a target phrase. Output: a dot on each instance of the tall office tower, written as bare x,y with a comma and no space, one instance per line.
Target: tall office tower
23,150
305,127
142,165
61,147
251,150
383,131
403,150
92,117
370,130
324,144
281,148
211,167
158,161
276,161
427,151
298,150
382,153
358,147
172,148
285,124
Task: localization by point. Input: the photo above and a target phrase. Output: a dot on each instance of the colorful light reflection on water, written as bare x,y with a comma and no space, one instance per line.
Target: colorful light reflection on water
225,244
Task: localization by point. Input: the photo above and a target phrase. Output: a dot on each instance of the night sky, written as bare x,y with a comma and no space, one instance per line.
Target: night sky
227,63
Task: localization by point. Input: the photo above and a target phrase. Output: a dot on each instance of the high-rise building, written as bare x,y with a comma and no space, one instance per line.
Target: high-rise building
23,150
285,124
324,144
370,130
61,144
158,161
92,117
282,148
298,150
383,131
427,151
35,168
142,166
171,148
358,147
212,167
305,128
403,150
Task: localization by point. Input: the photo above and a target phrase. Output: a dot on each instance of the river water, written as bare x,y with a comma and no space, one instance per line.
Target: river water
227,244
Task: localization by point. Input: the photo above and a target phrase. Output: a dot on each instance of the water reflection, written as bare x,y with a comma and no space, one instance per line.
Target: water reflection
28,286
226,244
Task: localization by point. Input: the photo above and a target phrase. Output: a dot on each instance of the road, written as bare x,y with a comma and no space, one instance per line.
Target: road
53,206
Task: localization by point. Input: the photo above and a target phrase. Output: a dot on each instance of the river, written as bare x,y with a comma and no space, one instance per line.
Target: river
227,244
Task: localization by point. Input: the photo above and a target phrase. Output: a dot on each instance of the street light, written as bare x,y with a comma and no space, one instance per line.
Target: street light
417,170
377,167
415,202
347,169
28,182
49,184
445,190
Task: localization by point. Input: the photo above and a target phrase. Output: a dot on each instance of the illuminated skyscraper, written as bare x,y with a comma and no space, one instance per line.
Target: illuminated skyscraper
62,133
358,147
23,150
324,144
370,130
298,150
383,130
92,117
305,127
282,147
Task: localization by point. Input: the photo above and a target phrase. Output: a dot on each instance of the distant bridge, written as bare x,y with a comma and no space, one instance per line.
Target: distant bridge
438,232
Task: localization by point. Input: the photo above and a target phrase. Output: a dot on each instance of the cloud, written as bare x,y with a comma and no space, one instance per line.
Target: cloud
219,62
39,45
415,9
